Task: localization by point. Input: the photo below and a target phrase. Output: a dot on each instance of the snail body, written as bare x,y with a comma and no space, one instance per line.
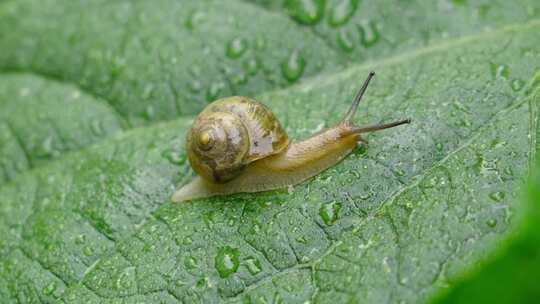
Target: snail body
237,145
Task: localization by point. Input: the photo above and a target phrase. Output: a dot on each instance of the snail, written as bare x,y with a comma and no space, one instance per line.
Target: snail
236,144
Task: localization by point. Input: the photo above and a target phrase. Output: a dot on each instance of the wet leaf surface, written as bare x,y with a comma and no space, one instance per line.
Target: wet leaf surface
393,222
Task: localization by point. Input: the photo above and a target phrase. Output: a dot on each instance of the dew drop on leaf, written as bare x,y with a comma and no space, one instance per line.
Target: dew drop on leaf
190,262
49,288
260,43
255,229
342,12
80,239
149,113
497,196
499,71
345,41
125,280
175,157
369,34
194,19
517,84
366,194
214,90
360,149
293,68
227,261
187,240
306,12
329,212
239,78
253,265
491,222
46,149
251,67
236,48
195,86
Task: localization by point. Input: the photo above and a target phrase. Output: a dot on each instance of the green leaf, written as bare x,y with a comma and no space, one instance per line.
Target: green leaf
514,266
155,61
363,29
42,119
160,59
394,222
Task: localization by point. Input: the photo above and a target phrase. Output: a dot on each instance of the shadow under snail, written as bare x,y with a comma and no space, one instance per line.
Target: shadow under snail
236,144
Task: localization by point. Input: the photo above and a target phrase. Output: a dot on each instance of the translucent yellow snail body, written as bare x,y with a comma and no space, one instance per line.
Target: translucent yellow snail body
236,144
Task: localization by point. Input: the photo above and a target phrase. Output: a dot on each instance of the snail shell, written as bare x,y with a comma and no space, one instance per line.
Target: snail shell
237,145
231,133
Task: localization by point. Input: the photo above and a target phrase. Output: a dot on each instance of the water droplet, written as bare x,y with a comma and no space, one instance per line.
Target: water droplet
227,261
204,283
239,78
125,280
253,265
345,40
255,229
195,86
190,262
175,157
193,19
491,222
517,84
260,43
369,34
499,71
497,196
364,195
251,66
49,289
236,48
360,149
149,113
80,239
293,68
342,12
214,90
88,251
46,149
187,240
301,240
306,12
330,212
290,189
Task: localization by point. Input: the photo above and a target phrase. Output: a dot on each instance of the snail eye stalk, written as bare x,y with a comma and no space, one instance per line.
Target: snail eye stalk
348,119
